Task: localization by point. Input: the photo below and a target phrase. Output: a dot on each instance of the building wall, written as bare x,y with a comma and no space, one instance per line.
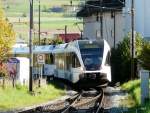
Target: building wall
147,18
122,25
142,17
92,27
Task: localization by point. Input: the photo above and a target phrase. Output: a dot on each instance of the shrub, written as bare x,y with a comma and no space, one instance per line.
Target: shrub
121,59
145,56
24,15
45,9
3,70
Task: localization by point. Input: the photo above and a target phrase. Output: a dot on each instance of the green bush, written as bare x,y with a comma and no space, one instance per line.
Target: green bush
145,56
121,59
24,15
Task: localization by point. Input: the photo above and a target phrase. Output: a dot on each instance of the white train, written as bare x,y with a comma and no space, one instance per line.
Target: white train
77,61
83,60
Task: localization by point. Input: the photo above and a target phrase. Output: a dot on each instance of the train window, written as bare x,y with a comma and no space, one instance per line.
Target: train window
52,58
107,59
61,61
75,61
47,60
68,60
92,57
57,60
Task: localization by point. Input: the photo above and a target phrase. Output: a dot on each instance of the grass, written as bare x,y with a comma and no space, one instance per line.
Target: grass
133,87
14,98
23,5
50,21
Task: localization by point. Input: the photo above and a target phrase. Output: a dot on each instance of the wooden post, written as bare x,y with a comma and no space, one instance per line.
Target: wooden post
3,83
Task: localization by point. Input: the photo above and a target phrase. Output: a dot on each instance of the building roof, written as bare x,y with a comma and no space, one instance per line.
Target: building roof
95,6
69,37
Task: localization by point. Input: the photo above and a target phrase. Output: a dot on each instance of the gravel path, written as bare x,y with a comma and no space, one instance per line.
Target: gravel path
115,100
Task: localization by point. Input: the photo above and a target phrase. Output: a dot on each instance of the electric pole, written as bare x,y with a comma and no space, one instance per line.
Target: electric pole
30,46
101,18
114,29
132,41
65,33
39,22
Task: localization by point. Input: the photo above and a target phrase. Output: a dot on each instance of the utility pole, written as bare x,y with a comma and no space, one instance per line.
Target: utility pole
30,46
132,41
101,18
39,22
114,29
81,34
65,32
81,31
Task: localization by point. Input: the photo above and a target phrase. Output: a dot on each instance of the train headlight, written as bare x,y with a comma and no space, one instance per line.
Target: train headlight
81,68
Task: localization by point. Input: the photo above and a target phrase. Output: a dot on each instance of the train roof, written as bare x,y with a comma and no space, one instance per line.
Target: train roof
71,46
36,49
54,48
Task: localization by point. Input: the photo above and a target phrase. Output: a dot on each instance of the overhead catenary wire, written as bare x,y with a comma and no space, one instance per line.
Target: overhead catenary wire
95,6
121,2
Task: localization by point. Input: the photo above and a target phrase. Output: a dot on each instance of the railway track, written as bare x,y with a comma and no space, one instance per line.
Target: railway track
83,102
87,101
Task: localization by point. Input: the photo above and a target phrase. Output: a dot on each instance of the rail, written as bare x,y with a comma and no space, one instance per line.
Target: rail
86,101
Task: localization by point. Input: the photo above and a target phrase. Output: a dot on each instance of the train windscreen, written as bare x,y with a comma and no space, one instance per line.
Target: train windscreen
92,54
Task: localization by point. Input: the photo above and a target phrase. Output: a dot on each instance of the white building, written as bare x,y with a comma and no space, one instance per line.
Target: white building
112,27
116,19
142,17
19,67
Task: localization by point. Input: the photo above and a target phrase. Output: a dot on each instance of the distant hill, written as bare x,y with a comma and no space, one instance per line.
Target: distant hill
20,7
54,16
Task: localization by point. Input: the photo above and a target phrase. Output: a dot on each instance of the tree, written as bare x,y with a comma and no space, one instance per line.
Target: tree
145,56
48,41
121,58
7,36
7,39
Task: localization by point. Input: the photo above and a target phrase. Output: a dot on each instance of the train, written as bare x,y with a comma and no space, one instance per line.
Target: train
83,60
79,61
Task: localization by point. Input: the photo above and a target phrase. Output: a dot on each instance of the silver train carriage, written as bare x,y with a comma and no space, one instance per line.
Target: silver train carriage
83,60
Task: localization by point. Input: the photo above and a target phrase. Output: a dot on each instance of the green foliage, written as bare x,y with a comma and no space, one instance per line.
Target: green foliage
7,36
57,41
45,9
145,56
3,70
48,41
133,88
121,58
24,15
19,97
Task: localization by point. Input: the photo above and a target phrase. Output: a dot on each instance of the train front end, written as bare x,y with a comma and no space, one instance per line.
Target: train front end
95,62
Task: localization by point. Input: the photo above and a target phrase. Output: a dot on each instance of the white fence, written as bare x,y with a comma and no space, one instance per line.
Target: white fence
144,75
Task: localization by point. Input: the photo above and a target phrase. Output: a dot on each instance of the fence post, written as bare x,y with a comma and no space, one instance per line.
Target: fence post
144,74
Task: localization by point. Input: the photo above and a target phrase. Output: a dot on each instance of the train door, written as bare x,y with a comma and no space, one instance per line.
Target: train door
61,65
75,69
49,66
68,65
